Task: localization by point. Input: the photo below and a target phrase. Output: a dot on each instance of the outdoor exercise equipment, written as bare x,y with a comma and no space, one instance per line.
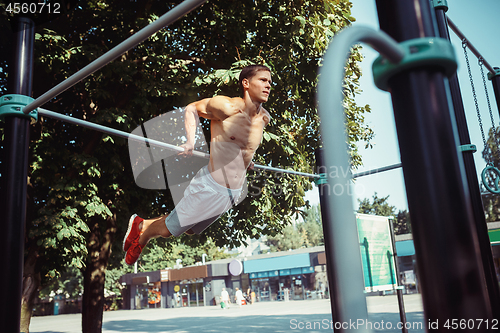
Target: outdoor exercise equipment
443,22
16,138
430,159
341,237
426,136
14,187
19,110
13,104
489,167
439,200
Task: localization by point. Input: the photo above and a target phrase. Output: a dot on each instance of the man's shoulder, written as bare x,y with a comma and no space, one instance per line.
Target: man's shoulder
225,102
266,116
227,99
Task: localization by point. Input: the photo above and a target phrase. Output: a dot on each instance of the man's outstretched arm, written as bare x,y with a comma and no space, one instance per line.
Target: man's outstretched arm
191,121
215,108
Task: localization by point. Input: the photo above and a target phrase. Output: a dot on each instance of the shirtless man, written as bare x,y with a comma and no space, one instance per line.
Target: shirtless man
237,126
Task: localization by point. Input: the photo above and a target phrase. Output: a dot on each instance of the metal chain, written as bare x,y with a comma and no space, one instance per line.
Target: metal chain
464,46
481,63
493,127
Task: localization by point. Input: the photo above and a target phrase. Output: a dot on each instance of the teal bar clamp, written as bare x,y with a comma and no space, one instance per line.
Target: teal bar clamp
12,105
468,147
322,180
440,4
491,75
420,52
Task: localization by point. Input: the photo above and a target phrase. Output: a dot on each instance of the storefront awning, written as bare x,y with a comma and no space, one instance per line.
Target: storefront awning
405,248
277,263
494,236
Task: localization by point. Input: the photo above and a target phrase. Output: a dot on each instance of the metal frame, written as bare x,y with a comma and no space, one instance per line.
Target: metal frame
443,227
469,44
13,181
374,171
443,22
159,144
341,236
16,146
131,42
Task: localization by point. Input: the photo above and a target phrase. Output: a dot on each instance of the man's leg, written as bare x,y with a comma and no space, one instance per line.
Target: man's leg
155,227
147,230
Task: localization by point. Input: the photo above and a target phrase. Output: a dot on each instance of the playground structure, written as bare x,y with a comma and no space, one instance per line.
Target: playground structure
447,215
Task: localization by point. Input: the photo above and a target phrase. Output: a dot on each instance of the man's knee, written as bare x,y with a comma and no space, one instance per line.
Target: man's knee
165,232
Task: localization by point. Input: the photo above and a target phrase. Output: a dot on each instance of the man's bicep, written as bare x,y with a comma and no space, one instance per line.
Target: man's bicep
201,108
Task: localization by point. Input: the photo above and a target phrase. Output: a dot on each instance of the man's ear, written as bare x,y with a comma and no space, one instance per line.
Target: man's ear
245,83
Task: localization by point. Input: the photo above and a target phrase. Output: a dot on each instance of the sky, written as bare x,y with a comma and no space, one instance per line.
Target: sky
478,21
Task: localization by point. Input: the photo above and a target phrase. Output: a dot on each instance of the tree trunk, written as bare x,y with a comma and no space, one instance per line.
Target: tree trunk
99,249
31,283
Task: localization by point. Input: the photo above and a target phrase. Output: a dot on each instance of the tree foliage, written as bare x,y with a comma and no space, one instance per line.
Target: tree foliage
81,186
377,206
307,233
491,154
381,207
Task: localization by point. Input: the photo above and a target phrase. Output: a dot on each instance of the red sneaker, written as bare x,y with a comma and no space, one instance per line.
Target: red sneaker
133,252
133,231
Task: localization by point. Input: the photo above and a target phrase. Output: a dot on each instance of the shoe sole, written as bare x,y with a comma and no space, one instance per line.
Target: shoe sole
130,224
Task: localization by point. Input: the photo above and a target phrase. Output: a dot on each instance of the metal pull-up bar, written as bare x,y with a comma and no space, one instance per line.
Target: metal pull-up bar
112,131
164,145
151,142
469,44
143,34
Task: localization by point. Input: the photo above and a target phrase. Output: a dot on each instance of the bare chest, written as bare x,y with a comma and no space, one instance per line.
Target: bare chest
240,129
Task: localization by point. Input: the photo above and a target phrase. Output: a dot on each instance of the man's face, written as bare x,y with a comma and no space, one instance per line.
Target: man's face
259,86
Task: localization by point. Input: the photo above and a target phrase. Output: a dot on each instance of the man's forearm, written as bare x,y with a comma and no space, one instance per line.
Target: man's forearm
191,120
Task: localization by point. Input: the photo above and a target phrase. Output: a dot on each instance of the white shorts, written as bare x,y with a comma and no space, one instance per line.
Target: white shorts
203,203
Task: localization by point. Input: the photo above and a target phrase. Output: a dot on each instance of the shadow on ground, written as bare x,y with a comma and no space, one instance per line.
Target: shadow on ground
381,322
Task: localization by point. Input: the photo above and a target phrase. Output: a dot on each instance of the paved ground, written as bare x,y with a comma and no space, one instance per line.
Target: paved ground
264,317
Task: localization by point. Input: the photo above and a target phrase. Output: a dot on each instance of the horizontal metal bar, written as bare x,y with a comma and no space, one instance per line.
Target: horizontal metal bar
115,132
292,172
469,45
143,34
137,138
374,171
159,144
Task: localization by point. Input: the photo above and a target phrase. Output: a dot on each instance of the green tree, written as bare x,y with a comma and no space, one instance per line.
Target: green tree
313,226
402,224
491,154
381,207
290,238
81,189
305,233
378,206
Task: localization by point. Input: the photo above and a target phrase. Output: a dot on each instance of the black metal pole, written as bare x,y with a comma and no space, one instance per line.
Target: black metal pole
445,237
399,290
333,284
368,263
472,179
14,180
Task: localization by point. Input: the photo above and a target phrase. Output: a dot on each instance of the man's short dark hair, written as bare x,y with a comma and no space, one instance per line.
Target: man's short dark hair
249,72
